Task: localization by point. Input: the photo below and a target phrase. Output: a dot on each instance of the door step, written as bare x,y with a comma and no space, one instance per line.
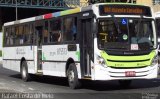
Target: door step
87,77
39,72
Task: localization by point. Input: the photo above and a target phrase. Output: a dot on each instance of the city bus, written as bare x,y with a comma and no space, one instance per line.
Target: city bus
100,42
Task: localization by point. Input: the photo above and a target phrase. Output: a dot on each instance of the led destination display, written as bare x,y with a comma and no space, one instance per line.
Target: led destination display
125,10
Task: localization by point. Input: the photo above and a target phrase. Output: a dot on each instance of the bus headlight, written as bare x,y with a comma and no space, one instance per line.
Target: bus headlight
155,60
101,61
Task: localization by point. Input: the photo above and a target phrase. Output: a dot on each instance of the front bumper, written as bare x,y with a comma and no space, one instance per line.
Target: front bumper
102,73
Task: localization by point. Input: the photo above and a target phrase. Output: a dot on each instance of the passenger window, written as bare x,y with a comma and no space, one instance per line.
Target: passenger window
70,29
26,34
12,36
55,31
7,38
31,33
45,32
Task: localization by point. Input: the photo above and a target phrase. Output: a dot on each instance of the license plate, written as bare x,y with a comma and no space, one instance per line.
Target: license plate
130,73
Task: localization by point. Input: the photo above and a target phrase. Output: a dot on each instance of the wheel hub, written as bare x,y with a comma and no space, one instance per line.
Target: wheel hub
24,72
71,76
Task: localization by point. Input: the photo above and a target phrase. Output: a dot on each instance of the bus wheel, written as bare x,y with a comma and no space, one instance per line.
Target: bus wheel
72,75
24,71
125,83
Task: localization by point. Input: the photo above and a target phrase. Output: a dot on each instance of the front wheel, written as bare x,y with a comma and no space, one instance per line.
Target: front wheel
24,71
125,83
72,76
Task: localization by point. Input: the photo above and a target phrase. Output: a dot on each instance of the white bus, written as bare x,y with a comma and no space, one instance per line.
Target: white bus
102,41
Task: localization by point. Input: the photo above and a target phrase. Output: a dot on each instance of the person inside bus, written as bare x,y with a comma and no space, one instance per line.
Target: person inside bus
73,29
145,35
45,33
11,38
74,32
133,26
59,36
55,36
142,36
111,33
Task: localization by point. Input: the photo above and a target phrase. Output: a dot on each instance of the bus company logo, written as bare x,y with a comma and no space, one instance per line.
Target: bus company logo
128,53
119,65
141,64
20,51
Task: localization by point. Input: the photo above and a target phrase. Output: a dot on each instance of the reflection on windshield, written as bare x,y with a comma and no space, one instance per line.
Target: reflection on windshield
123,33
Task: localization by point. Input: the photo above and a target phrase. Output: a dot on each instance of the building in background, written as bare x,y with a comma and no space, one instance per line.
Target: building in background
156,5
156,2
153,3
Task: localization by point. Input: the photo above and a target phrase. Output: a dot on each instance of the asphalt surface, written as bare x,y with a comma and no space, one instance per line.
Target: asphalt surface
11,86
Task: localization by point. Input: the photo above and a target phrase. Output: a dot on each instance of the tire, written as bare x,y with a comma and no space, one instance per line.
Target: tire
72,76
125,83
24,71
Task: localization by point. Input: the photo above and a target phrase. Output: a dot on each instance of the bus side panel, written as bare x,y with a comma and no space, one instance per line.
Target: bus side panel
12,57
34,67
55,57
51,61
9,58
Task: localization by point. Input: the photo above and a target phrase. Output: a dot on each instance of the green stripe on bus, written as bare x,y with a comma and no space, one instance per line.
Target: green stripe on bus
128,61
72,11
78,55
43,56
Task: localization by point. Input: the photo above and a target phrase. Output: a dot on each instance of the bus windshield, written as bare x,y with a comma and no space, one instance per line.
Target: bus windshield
126,34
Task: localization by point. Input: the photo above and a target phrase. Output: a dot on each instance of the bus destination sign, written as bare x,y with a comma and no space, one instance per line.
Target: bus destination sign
125,10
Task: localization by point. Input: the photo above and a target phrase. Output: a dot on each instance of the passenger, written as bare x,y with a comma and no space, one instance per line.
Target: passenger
74,32
59,36
55,36
45,33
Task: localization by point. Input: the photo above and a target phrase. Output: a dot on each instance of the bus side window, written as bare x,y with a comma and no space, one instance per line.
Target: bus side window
17,41
7,31
26,34
45,33
70,29
55,30
31,34
56,36
20,35
12,36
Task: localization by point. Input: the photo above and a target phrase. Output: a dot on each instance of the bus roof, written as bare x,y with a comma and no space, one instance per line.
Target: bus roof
61,13
45,16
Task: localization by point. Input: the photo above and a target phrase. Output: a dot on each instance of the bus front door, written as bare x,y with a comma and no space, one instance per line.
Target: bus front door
39,30
86,47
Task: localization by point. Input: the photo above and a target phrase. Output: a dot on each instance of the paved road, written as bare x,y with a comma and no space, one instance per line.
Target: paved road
57,88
